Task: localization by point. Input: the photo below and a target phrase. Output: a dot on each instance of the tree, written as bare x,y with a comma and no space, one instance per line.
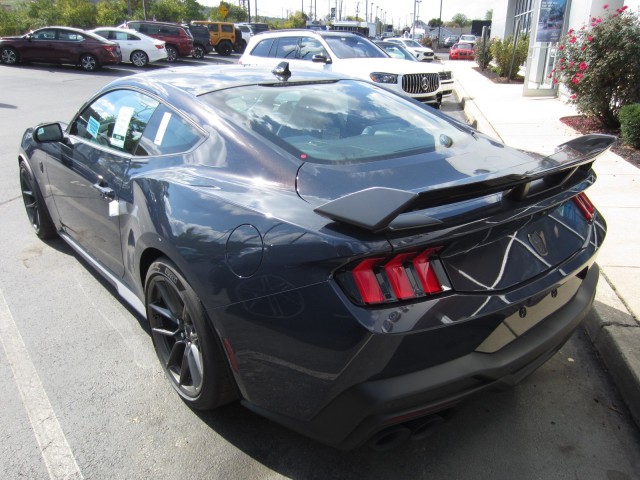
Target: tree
77,13
111,12
460,20
489,14
167,10
235,14
435,22
600,65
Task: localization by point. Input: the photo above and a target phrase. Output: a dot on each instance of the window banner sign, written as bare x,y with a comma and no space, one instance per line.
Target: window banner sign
550,20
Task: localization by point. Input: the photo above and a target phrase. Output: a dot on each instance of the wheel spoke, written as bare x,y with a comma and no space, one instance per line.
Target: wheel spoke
176,355
168,297
165,332
165,312
191,366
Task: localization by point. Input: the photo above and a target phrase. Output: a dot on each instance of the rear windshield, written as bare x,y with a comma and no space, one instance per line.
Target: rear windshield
337,122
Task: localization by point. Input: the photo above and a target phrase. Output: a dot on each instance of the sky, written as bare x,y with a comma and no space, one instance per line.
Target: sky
397,11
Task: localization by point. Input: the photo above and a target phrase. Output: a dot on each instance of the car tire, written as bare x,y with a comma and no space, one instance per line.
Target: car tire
172,53
34,204
187,347
139,58
9,56
89,63
240,47
224,48
198,51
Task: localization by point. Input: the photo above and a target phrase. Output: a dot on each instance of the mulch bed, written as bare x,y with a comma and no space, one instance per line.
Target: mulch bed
585,125
495,78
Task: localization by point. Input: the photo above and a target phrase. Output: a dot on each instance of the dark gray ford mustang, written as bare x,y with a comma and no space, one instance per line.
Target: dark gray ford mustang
346,262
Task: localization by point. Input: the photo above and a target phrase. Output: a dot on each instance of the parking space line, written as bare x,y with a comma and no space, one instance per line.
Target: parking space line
55,450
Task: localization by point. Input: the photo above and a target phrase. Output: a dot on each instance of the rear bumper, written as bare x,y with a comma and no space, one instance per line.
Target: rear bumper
361,411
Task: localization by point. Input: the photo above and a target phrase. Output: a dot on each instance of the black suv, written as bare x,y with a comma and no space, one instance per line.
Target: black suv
201,40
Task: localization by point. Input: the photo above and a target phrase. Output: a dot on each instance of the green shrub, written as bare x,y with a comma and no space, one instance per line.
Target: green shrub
502,51
600,65
483,54
629,117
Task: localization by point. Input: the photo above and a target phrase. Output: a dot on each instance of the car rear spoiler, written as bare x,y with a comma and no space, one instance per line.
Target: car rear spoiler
375,209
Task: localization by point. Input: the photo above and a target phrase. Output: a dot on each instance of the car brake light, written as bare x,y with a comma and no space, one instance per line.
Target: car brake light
160,47
585,206
404,276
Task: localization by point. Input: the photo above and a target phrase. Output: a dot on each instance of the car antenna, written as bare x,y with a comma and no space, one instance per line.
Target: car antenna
282,71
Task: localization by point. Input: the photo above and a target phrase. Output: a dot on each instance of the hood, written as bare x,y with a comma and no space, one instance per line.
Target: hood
361,67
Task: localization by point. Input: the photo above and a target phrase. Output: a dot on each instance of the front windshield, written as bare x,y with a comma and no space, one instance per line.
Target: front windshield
352,46
337,122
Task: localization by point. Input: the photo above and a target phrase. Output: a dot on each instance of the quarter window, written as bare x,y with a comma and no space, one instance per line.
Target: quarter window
167,133
263,48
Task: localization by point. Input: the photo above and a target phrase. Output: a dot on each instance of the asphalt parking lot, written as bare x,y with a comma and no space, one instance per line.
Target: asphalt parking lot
81,363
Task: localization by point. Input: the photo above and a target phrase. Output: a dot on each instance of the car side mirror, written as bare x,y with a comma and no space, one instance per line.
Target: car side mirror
48,132
320,59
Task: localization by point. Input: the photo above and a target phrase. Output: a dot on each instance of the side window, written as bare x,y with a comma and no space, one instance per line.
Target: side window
116,120
69,36
44,35
167,30
227,28
213,27
104,34
167,133
128,36
262,49
286,47
310,47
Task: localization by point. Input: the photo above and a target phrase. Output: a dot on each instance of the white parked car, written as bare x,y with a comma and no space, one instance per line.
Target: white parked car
136,47
422,54
467,38
352,55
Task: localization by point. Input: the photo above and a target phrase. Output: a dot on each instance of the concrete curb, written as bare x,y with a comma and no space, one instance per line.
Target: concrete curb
475,117
614,332
616,335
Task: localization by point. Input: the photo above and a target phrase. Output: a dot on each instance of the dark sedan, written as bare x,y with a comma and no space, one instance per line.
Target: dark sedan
60,45
343,261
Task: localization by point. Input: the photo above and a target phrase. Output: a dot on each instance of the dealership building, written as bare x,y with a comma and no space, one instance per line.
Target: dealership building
545,22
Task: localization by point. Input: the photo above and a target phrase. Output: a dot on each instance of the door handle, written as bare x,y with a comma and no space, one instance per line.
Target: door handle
106,192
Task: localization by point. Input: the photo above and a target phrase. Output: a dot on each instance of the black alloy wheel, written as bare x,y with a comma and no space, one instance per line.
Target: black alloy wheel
198,51
186,346
9,56
139,58
88,62
34,204
172,54
225,48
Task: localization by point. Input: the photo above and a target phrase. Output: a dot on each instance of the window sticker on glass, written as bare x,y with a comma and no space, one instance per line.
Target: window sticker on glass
121,126
162,128
93,126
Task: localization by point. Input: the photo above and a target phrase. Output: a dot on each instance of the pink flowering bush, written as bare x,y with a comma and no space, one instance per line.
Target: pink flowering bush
599,65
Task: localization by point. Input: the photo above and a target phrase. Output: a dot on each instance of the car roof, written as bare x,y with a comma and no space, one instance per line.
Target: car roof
306,31
200,80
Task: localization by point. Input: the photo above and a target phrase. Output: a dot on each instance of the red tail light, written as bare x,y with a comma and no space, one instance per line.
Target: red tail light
160,47
402,277
110,48
585,206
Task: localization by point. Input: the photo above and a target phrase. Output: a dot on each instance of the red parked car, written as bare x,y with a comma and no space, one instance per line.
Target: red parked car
461,51
178,40
60,45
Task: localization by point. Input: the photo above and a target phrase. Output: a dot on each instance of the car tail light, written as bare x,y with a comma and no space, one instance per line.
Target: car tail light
160,47
403,276
585,206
